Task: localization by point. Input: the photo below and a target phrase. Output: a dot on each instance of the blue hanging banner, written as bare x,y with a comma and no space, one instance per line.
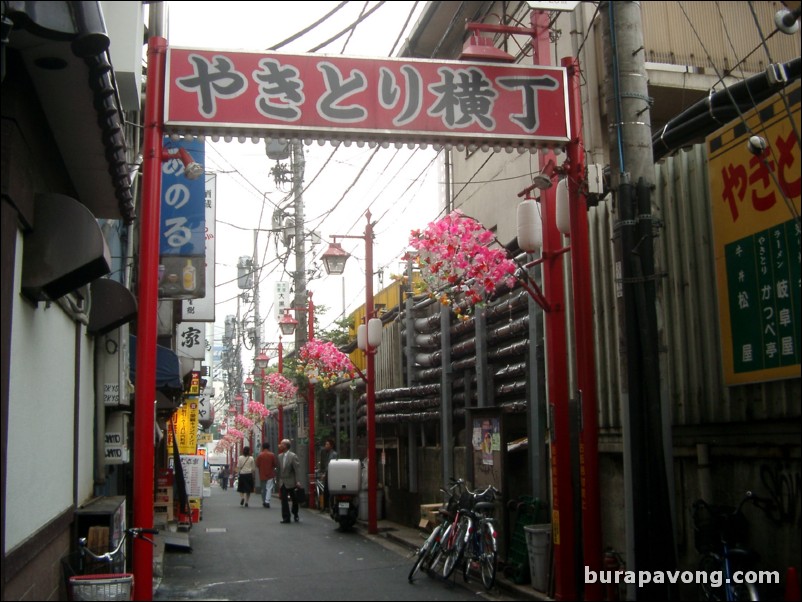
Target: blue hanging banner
182,236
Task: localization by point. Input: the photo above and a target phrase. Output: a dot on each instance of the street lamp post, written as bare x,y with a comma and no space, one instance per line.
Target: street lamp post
280,403
261,363
287,325
370,337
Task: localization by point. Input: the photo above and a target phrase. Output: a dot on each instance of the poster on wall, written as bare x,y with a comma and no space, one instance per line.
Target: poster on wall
486,438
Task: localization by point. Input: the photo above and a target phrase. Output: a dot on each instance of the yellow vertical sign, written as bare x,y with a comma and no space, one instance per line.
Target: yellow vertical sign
755,200
185,423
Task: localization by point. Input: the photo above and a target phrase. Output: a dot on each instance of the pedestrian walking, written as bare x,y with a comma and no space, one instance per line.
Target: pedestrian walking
245,482
222,477
327,455
266,463
288,470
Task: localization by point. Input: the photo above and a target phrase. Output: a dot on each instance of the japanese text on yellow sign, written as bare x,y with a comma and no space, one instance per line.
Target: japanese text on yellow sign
757,240
185,423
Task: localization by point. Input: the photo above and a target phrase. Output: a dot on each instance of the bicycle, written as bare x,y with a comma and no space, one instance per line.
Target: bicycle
719,535
481,544
93,576
458,532
427,554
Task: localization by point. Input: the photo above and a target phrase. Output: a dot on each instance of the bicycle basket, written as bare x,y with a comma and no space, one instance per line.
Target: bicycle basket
452,505
714,524
101,587
466,500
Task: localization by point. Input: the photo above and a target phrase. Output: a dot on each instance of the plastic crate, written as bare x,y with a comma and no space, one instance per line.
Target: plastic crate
529,511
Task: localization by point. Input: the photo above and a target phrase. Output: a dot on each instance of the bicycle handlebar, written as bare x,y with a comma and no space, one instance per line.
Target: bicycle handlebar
748,497
135,532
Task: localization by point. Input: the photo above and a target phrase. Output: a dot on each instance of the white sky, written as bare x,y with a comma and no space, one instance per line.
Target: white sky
400,197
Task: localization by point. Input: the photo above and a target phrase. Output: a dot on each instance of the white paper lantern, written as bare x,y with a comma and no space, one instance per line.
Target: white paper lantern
530,227
563,208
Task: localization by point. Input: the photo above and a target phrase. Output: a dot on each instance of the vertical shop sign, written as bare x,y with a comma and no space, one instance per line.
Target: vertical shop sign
182,231
185,421
202,308
190,339
757,241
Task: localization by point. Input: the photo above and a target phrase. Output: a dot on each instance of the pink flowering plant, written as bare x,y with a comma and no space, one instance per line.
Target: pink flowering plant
321,361
256,412
281,387
456,262
242,423
229,440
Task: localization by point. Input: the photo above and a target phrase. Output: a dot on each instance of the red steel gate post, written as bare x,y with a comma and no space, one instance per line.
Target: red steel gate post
584,335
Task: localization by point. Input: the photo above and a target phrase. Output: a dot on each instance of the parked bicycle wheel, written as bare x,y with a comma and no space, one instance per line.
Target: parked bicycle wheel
425,553
741,592
487,556
440,551
455,552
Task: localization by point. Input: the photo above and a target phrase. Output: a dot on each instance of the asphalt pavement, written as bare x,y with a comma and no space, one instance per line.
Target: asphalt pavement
235,553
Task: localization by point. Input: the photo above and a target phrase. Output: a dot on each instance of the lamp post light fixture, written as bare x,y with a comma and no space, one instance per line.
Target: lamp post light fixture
334,261
287,324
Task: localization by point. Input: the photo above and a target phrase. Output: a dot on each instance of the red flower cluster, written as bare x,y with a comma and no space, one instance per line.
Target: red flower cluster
455,261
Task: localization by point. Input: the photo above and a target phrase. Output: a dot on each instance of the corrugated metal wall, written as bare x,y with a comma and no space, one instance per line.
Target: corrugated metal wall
687,310
670,38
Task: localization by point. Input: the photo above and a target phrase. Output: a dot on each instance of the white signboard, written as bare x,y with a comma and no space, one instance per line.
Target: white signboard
562,6
193,474
190,339
204,407
202,310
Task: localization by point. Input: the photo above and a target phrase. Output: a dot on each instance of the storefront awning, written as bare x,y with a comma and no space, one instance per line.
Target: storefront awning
168,374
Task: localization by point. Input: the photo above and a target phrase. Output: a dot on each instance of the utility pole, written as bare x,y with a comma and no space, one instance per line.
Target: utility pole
298,164
302,299
256,268
646,425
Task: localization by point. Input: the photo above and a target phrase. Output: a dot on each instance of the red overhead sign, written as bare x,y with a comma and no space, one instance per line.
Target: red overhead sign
381,100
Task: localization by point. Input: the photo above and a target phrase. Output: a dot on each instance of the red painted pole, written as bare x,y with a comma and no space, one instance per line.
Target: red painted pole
264,403
370,385
144,418
280,407
583,337
562,512
563,521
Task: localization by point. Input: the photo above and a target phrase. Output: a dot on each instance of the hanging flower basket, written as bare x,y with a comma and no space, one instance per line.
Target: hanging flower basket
457,264
281,387
322,362
235,435
243,423
256,412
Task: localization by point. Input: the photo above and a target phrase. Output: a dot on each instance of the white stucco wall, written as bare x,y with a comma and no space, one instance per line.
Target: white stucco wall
41,415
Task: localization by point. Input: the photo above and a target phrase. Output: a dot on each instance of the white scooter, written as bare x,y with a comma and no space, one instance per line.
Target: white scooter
344,485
